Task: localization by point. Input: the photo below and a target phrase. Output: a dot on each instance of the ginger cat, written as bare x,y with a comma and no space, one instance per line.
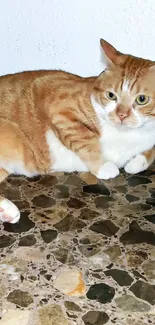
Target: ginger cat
56,121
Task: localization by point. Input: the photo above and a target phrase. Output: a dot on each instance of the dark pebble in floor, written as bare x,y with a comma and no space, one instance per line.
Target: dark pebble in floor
105,227
23,225
101,292
136,235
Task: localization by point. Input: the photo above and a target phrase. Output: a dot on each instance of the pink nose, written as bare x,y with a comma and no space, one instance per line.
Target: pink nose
122,115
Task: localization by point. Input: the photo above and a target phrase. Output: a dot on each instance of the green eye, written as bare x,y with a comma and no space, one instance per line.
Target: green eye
111,95
142,99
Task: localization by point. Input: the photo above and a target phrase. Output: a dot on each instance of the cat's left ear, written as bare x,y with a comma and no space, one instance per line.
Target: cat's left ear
152,69
150,72
112,56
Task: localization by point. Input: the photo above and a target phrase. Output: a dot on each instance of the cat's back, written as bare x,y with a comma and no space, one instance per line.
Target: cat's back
26,87
18,81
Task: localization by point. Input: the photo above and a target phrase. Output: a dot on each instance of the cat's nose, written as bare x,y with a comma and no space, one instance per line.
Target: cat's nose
122,115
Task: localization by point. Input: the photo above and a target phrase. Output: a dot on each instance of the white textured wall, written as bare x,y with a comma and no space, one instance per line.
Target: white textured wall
64,34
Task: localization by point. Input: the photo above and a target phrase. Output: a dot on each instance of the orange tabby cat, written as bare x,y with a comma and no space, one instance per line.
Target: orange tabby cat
56,121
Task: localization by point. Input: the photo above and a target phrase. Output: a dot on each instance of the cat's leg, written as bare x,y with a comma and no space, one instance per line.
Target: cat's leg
141,162
85,143
8,211
91,155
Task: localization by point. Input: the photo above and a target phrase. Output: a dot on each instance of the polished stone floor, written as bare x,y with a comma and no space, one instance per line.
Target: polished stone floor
83,252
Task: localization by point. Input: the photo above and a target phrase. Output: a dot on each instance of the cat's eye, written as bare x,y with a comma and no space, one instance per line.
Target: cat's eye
142,100
111,95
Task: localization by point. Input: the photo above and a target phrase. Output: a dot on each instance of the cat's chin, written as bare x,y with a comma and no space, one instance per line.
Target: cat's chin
132,126
135,125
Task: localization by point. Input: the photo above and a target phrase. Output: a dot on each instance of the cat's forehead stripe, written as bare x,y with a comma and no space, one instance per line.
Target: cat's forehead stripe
133,84
126,85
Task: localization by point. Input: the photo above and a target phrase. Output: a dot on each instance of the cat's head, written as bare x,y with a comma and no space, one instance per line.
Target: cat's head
124,93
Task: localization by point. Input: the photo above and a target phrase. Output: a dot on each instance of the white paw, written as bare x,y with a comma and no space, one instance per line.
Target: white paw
9,212
108,170
136,165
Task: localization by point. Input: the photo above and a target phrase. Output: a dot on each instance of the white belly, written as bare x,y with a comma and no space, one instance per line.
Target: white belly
121,144
64,159
16,167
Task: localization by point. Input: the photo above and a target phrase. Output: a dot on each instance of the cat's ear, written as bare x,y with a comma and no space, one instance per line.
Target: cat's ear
150,72
152,69
111,55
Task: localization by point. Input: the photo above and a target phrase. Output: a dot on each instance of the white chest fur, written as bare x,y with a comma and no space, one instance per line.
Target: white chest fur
122,144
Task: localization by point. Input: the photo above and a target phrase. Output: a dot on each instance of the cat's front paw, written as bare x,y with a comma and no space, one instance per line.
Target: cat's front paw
136,165
8,211
108,170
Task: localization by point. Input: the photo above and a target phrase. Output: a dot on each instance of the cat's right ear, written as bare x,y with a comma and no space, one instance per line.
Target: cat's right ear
111,55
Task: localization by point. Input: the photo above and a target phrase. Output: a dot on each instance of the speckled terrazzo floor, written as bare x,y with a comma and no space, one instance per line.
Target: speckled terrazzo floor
82,253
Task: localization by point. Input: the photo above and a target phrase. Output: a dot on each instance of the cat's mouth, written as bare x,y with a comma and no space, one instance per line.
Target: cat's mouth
122,125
